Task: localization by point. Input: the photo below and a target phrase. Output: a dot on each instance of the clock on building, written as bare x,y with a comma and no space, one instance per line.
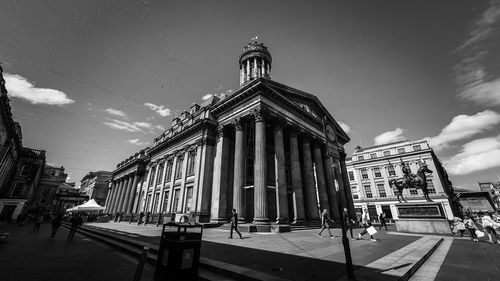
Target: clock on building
330,133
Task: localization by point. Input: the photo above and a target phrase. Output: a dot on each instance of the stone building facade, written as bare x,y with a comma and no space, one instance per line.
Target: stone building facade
260,150
96,185
370,169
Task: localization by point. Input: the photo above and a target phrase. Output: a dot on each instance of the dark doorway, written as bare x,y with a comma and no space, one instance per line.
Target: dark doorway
7,212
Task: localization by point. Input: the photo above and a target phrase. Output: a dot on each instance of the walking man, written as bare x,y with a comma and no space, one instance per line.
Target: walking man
56,223
366,223
324,223
75,221
234,225
348,223
381,218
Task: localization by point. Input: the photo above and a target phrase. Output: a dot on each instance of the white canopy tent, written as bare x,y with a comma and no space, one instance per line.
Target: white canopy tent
88,206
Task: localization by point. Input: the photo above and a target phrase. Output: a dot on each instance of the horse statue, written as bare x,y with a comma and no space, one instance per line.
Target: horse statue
412,181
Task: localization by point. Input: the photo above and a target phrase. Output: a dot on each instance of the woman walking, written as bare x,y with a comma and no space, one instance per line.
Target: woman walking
471,227
489,227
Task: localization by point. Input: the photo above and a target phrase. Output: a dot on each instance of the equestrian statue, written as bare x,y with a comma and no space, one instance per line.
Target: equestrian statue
410,180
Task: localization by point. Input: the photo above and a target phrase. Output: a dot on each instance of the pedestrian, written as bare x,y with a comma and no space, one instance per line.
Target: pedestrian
458,227
56,223
75,221
348,223
489,227
234,225
141,215
366,224
38,222
324,223
471,227
382,221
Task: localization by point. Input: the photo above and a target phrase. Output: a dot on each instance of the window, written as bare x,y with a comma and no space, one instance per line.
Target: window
160,173
168,172
373,155
376,172
148,202
401,150
381,190
176,199
152,176
361,158
351,175
391,171
18,189
430,187
387,153
155,201
354,192
368,191
413,191
191,162
165,200
178,168
355,196
26,170
416,147
189,198
364,174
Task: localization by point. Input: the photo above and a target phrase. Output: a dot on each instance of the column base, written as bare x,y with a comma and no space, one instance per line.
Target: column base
298,221
282,221
261,221
220,221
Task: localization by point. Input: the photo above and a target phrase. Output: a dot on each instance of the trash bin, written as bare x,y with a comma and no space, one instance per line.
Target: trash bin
179,253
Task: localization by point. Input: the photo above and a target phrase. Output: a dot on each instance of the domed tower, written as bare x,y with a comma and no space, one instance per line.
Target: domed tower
255,62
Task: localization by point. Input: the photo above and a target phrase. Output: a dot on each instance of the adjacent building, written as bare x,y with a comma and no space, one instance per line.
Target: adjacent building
370,169
260,150
493,189
96,186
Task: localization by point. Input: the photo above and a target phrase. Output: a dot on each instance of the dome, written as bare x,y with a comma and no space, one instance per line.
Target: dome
255,49
255,62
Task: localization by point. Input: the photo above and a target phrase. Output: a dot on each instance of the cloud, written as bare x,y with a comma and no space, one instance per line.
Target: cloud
128,126
20,87
344,126
475,84
160,127
137,142
115,112
477,155
160,109
390,136
221,95
463,127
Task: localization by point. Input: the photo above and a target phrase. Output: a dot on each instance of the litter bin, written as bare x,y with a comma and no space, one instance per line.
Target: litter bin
179,253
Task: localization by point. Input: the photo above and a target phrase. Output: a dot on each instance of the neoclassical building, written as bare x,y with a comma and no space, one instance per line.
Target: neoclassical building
260,150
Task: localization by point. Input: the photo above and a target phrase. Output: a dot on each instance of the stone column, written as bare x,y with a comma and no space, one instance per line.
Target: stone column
220,178
111,196
248,70
130,199
298,194
118,183
255,70
280,172
260,170
263,68
309,185
347,188
239,169
126,195
123,191
320,177
330,187
206,177
172,181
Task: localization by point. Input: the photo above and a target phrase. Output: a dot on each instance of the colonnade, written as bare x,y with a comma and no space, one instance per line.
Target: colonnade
122,194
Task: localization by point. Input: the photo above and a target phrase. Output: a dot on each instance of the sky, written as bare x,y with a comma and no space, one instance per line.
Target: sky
93,82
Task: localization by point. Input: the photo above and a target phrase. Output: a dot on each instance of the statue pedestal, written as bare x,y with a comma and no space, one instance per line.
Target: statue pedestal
422,217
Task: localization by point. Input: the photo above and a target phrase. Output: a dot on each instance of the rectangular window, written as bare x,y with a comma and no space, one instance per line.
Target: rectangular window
364,174
189,198
416,148
168,172
391,171
351,175
401,150
177,196
430,187
152,176
387,153
413,191
159,178
178,168
368,191
381,190
148,202
373,155
155,202
18,189
361,158
376,172
191,162
165,201
355,196
26,170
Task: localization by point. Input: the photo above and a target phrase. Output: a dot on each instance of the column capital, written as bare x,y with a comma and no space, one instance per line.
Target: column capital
220,131
237,124
259,113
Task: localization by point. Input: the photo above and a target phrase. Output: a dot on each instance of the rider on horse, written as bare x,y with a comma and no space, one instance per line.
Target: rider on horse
408,177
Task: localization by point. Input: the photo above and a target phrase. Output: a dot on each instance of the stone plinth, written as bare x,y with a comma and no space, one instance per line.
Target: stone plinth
422,217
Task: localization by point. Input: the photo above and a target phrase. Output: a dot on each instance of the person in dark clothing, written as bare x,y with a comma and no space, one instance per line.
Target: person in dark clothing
56,223
38,222
141,215
324,223
234,225
348,223
381,218
75,221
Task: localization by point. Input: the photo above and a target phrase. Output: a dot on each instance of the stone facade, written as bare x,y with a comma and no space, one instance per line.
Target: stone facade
96,185
260,150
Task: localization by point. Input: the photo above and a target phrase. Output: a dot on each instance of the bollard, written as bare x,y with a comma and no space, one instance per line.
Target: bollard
140,266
